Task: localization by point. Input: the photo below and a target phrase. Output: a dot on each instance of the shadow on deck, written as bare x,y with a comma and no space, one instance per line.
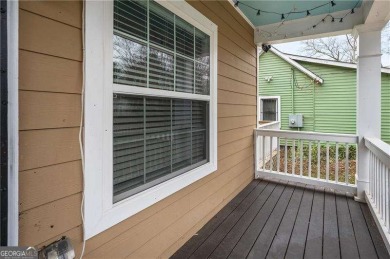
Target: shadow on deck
273,219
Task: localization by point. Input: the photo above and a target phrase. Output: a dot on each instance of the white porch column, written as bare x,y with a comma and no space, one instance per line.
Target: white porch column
368,99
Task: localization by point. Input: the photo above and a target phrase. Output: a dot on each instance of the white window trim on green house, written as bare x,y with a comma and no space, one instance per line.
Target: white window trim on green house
102,209
277,108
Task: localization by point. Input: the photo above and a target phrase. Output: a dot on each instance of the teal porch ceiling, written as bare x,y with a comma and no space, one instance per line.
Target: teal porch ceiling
286,6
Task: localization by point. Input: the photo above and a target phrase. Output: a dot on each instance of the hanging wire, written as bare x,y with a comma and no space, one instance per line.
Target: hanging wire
314,26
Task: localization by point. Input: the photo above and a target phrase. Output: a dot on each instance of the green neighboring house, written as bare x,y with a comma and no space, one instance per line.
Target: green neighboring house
323,91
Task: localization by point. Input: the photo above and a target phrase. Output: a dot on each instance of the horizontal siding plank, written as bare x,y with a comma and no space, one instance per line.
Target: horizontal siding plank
232,10
234,135
231,148
225,83
232,110
41,72
236,122
228,58
207,190
46,184
224,28
43,35
68,12
227,97
43,110
39,148
235,49
47,221
233,73
224,15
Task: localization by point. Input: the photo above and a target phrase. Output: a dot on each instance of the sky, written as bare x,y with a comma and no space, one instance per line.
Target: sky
295,48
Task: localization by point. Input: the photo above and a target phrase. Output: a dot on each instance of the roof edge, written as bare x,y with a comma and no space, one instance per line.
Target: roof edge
295,64
330,62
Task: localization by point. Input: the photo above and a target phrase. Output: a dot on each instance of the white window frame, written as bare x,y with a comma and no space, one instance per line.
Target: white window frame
13,122
99,210
277,98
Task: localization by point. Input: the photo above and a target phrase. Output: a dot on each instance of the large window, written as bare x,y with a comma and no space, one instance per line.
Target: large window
150,105
157,138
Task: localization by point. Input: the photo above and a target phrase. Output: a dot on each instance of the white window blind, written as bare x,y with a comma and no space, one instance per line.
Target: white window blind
155,138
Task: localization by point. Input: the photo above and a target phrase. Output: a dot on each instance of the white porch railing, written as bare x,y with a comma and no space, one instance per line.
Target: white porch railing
324,159
378,196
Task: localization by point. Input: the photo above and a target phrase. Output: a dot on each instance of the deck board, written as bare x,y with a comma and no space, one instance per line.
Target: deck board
348,245
296,247
274,219
331,245
264,240
281,239
314,242
363,239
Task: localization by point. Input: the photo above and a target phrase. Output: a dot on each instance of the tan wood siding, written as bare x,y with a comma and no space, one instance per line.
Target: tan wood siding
51,179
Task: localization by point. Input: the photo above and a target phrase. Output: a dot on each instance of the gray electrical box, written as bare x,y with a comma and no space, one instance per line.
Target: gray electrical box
295,120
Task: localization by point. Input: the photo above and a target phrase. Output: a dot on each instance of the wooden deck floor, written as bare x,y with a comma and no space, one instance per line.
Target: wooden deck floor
271,219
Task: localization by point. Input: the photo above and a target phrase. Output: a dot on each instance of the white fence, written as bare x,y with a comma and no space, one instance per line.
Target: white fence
308,157
378,196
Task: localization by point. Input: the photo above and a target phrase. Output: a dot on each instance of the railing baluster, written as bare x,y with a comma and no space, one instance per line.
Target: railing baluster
285,156
370,175
278,154
384,190
318,159
327,161
301,158
293,157
263,152
381,189
346,164
388,199
336,169
382,183
386,194
270,154
376,181
309,159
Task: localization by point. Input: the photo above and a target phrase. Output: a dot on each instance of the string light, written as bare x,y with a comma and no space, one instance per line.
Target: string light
323,20
237,2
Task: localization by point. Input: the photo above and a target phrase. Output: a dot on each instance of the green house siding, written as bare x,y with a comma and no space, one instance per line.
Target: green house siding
386,107
330,107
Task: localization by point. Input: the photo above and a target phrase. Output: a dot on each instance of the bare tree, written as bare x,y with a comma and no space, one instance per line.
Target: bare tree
335,48
341,48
